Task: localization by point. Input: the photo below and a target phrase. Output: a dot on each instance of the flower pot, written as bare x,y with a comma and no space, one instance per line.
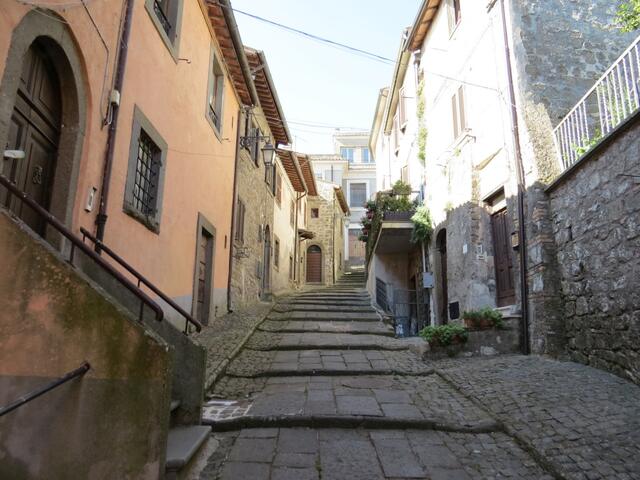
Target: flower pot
478,323
369,215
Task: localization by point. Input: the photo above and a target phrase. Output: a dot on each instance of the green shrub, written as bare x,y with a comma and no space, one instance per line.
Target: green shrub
422,225
628,17
444,334
485,313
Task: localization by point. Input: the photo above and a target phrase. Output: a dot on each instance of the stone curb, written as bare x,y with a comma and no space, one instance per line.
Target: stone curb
507,429
222,367
334,346
351,332
354,421
333,373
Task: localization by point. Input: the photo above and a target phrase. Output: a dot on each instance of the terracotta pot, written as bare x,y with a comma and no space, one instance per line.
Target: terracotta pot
369,215
478,324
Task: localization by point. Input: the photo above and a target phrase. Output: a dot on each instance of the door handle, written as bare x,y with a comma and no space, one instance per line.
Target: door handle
13,154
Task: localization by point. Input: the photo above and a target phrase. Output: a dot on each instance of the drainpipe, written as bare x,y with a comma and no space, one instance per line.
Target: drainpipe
233,211
521,188
333,239
295,241
101,218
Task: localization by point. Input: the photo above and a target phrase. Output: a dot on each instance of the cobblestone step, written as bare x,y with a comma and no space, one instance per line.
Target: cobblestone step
301,326
324,341
256,363
323,307
370,454
327,316
389,398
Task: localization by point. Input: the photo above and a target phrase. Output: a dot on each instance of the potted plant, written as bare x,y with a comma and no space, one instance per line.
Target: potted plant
449,338
483,319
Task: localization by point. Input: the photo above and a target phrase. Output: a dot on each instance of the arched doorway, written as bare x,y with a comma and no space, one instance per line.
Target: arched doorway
43,106
443,297
34,128
314,264
266,264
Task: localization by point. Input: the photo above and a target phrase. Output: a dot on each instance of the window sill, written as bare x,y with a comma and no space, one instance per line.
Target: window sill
462,139
150,222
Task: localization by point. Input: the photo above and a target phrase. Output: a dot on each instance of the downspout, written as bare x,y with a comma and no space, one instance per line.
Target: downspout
333,239
521,189
295,241
101,218
233,212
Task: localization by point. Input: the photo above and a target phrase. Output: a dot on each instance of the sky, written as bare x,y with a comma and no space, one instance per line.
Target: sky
318,83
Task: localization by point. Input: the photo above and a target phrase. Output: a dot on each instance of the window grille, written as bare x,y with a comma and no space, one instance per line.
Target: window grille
292,214
315,213
240,212
161,8
145,187
276,253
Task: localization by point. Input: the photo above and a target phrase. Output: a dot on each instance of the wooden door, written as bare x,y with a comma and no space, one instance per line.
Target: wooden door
35,129
356,247
505,289
441,243
205,276
314,264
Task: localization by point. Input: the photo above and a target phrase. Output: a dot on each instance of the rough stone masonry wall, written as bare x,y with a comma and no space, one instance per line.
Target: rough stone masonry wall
246,283
326,234
561,47
596,227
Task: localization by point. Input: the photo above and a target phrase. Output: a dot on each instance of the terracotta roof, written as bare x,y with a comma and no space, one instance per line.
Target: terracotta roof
422,23
225,28
268,96
292,167
307,173
342,200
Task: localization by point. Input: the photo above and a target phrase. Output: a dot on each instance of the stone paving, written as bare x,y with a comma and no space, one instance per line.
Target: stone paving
306,410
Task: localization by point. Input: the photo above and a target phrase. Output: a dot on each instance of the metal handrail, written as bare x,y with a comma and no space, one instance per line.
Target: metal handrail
78,243
142,279
84,368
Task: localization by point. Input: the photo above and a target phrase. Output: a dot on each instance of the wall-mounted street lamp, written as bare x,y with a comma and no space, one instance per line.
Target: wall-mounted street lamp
268,151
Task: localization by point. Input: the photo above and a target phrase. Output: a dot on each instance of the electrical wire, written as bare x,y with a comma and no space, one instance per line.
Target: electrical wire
349,48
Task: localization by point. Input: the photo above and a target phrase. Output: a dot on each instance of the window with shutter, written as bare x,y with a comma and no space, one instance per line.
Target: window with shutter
357,194
458,113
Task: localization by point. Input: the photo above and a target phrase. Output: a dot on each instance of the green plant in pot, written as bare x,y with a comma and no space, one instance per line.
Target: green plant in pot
445,335
483,319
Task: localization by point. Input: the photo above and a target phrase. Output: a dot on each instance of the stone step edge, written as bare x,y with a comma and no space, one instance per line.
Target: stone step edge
390,333
351,422
322,319
353,348
333,373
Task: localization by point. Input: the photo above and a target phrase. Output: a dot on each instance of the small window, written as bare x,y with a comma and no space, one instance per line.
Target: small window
145,174
240,213
328,175
366,158
315,213
276,252
166,16
215,97
458,113
278,188
455,15
347,153
402,109
357,194
396,136
292,214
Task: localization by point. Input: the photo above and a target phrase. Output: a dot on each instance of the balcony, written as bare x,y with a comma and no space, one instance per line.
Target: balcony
614,98
395,233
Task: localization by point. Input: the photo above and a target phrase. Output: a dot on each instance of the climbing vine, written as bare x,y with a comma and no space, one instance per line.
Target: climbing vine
422,129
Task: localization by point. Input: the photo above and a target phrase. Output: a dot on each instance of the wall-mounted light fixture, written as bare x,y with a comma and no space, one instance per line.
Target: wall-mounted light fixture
268,151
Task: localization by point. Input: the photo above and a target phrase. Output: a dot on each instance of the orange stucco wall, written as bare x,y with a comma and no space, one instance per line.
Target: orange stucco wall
172,95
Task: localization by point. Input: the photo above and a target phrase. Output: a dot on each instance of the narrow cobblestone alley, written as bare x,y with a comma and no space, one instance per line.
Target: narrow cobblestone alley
323,390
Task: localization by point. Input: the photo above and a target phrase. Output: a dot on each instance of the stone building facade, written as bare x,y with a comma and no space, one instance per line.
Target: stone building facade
254,240
327,214
463,132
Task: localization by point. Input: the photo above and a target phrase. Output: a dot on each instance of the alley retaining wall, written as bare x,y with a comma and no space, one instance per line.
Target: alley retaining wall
595,211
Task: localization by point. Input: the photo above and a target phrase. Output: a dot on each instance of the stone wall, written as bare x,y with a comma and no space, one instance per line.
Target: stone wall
248,255
328,231
560,48
110,423
594,211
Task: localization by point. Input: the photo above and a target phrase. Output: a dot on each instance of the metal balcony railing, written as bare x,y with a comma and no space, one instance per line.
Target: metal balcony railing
613,99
